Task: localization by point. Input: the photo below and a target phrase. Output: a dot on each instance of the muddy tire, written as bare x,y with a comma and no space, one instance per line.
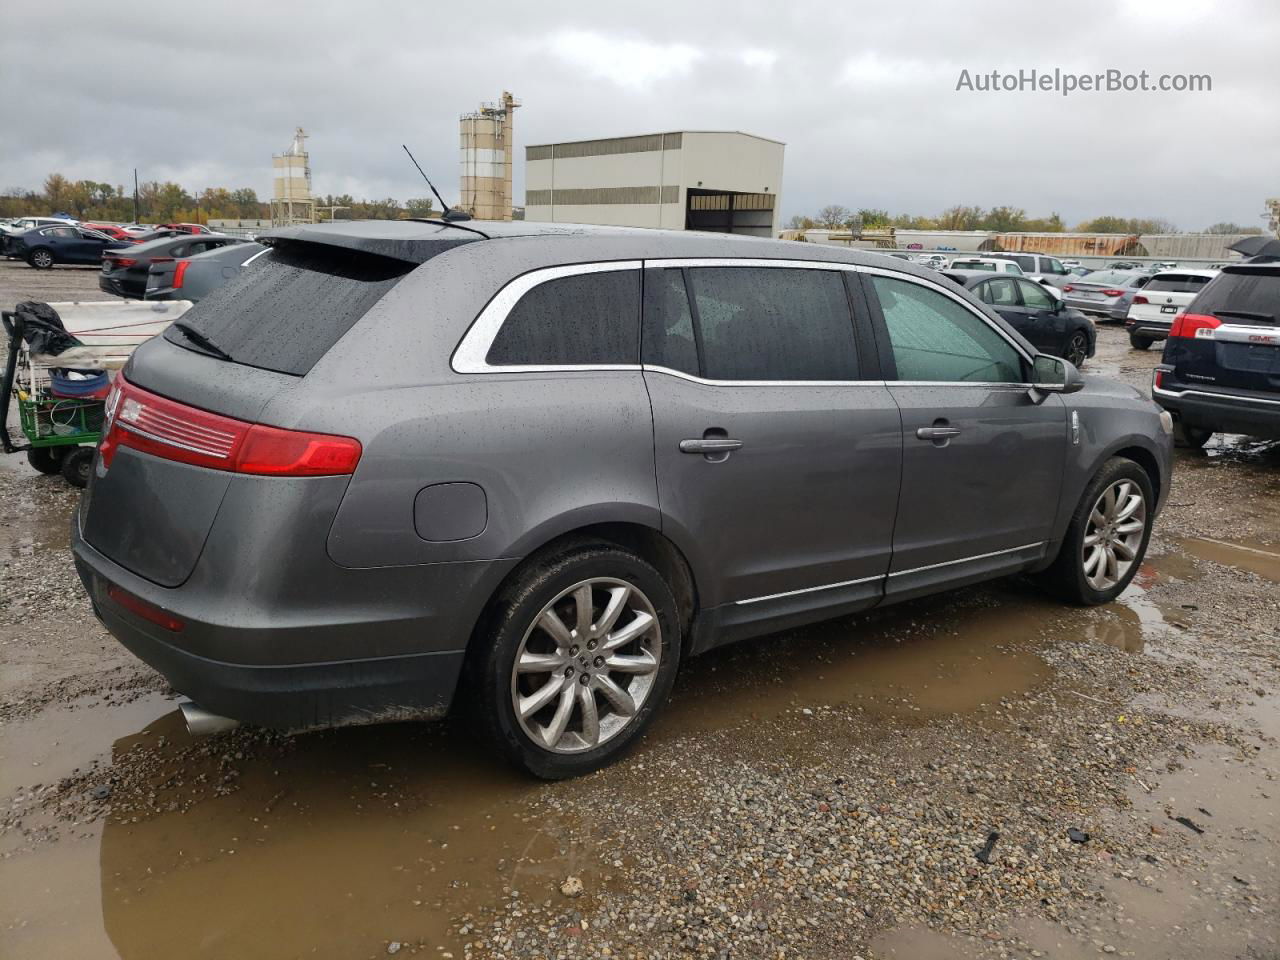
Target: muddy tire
41,258
1102,549
1140,343
76,466
1193,437
46,459
573,659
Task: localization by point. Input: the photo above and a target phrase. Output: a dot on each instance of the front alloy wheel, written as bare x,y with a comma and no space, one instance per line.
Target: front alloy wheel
1077,349
586,665
1114,535
42,259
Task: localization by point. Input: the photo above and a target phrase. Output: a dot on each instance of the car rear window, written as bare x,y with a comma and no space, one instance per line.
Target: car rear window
1177,283
588,318
286,311
1242,297
1106,279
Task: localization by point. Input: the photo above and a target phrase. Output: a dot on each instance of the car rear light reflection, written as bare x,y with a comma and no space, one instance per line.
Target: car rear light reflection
179,273
1187,324
147,611
164,428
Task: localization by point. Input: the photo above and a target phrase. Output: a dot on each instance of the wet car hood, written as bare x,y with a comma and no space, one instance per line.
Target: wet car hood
1105,387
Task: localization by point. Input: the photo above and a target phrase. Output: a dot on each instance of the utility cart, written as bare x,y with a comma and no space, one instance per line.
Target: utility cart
60,399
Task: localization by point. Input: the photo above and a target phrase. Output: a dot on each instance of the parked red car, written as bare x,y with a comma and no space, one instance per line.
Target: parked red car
112,231
186,227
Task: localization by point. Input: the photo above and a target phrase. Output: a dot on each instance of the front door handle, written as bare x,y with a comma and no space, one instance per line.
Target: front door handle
710,445
937,433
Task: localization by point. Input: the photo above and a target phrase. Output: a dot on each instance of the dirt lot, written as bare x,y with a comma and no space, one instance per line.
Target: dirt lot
821,793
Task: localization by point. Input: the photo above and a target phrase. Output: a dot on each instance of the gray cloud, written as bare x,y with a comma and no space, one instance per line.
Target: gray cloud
864,95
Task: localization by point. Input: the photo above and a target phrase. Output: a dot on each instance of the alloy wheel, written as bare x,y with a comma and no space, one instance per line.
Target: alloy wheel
43,259
586,665
1077,349
1113,534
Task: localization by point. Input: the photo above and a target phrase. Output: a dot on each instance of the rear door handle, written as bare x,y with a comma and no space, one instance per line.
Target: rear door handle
713,445
937,433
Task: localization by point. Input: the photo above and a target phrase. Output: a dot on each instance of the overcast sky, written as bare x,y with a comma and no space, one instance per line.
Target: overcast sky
864,95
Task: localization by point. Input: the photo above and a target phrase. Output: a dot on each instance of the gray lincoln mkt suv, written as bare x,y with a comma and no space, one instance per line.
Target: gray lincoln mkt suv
527,469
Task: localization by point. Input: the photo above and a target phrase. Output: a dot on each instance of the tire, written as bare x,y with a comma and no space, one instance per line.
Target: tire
1193,437
1140,343
1068,576
76,466
1077,351
41,258
513,627
46,459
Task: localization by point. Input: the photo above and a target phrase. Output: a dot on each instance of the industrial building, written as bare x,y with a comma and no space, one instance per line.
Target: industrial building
487,143
717,180
291,200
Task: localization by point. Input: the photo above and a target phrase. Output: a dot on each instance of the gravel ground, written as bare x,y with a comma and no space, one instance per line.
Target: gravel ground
983,774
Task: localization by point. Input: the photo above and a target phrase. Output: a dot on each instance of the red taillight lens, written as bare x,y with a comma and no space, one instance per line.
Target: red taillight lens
1140,299
271,451
179,272
145,610
162,259
1186,324
122,261
1112,293
1157,378
1068,288
174,431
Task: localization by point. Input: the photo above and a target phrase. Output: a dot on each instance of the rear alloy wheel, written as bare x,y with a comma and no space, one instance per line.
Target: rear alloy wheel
1107,536
578,654
1077,349
76,466
1140,343
41,258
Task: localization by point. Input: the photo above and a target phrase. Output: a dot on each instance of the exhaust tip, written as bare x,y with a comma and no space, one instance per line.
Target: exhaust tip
202,723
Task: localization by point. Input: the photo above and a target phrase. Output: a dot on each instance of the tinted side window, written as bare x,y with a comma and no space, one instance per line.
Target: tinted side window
1034,295
1000,292
668,323
934,338
1242,297
583,319
767,323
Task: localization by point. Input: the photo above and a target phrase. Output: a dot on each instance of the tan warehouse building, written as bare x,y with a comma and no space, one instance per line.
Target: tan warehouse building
717,180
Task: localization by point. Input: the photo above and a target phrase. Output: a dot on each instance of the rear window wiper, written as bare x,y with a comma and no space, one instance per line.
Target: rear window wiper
200,340
1247,314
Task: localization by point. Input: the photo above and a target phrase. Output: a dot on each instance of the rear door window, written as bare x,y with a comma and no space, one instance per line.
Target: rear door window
286,312
1034,296
935,339
588,318
1000,292
773,323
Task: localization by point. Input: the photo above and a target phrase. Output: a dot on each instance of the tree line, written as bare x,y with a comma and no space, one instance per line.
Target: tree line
998,219
169,202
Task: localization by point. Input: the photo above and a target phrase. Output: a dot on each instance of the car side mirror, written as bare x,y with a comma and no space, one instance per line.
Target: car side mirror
1053,375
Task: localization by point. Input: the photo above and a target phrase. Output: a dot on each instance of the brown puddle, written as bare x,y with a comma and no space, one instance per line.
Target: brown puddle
335,844
1262,559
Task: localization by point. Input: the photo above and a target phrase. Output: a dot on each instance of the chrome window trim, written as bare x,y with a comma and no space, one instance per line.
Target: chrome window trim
1211,395
796,593
980,556
472,350
471,353
704,381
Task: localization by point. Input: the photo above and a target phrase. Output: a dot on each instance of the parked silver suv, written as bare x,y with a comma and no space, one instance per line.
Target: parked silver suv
529,468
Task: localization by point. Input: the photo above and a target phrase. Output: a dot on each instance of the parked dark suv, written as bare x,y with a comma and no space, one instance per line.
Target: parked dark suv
529,468
1221,365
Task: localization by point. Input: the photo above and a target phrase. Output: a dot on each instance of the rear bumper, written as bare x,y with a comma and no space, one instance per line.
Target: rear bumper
264,667
1093,308
1221,413
1151,329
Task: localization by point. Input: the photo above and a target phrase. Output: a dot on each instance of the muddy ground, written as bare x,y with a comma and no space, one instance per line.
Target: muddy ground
820,793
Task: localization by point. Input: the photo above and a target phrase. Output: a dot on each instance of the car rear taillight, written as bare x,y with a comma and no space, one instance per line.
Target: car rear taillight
162,259
1139,298
1068,288
120,261
1157,379
170,430
1187,324
145,610
1112,293
179,272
